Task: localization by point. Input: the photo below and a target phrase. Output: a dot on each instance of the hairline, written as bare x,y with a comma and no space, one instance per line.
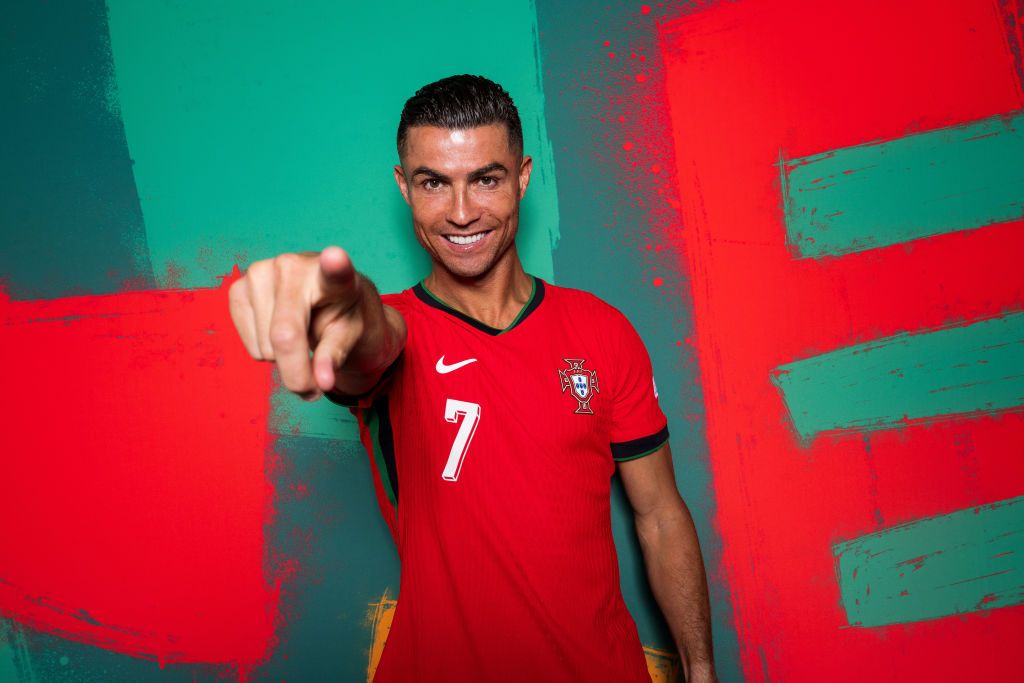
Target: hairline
519,154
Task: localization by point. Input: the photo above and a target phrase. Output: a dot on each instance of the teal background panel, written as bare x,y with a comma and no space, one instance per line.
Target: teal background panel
259,127
881,193
961,370
70,214
965,561
321,419
327,523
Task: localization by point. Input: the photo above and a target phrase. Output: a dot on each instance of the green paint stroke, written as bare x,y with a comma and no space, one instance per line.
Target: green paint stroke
883,193
15,661
260,127
291,416
975,368
966,561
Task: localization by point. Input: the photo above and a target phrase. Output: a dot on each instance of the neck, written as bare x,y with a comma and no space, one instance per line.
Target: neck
494,298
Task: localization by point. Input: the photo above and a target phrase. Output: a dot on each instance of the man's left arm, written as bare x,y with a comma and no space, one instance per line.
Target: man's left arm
672,554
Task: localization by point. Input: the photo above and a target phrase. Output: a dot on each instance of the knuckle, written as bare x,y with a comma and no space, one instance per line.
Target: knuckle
288,263
257,270
236,293
286,337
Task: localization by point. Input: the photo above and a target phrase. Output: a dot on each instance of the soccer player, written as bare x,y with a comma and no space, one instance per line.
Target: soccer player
495,409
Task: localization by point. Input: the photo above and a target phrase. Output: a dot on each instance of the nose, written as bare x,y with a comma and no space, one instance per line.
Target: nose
463,211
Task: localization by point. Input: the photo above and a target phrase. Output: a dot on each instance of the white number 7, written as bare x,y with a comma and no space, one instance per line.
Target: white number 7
470,413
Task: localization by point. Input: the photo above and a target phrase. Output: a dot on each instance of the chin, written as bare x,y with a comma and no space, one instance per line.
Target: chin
466,271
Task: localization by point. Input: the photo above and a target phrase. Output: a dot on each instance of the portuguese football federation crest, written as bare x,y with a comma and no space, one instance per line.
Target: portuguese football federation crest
583,383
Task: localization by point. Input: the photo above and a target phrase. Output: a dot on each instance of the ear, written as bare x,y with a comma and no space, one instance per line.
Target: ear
525,169
403,185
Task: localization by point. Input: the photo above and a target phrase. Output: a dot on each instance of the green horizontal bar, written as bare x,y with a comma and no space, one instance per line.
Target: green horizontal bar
883,193
974,368
966,561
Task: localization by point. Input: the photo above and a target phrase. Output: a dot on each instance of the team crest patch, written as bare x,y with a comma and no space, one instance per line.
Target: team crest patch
583,383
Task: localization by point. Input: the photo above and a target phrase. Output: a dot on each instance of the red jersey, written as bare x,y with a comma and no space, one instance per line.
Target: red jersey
493,452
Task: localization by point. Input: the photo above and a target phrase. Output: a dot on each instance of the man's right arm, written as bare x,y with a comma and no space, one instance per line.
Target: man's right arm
293,304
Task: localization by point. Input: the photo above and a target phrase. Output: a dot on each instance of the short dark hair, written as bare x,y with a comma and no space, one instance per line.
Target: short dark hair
460,102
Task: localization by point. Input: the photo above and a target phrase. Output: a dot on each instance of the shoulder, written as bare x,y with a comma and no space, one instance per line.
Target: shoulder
403,301
579,302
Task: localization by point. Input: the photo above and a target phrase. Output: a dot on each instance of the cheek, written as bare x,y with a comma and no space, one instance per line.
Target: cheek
500,205
429,207
424,216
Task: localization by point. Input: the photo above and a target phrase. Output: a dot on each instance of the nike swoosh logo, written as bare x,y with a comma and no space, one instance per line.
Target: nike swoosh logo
445,369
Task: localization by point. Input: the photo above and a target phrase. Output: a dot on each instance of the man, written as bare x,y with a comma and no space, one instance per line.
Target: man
494,407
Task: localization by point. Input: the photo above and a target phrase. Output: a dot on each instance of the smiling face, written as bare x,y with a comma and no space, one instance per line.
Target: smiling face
464,188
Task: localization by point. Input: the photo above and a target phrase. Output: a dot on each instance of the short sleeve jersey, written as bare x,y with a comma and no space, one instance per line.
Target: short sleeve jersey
493,452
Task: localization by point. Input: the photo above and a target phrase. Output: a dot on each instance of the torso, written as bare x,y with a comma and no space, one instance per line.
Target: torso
496,487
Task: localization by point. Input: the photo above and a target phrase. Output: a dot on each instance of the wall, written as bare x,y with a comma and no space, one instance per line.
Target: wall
753,183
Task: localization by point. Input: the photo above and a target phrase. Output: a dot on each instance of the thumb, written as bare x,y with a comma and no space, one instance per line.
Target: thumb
336,343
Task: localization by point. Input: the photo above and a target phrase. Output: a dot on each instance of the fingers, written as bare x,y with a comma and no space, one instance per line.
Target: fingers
337,282
243,318
259,280
337,341
289,323
284,304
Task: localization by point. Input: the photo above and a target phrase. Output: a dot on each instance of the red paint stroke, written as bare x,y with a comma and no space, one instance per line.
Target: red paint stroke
133,492
749,82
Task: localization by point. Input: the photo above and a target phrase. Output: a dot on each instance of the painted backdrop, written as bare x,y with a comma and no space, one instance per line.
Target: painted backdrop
811,212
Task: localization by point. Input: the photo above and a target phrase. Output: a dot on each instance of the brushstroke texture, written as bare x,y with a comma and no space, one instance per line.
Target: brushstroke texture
966,369
745,80
70,215
380,626
881,193
133,494
259,128
619,218
965,561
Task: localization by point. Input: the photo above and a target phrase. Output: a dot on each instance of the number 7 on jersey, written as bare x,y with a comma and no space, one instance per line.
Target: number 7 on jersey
470,414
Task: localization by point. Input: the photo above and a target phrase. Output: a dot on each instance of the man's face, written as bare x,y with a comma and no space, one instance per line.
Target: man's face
464,188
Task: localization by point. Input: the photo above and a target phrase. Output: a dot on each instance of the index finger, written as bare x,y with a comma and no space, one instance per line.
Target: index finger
336,283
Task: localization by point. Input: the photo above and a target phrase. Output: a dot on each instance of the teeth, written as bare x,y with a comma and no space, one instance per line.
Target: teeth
465,239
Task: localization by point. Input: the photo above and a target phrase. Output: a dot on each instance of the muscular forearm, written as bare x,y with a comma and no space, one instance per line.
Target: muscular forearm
676,572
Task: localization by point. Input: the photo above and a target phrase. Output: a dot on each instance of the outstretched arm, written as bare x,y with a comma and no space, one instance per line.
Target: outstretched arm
294,304
672,554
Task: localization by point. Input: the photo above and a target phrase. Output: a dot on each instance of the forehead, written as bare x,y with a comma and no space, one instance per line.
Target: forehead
452,149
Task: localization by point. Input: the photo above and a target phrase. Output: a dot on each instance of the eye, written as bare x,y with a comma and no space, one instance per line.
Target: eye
431,184
488,181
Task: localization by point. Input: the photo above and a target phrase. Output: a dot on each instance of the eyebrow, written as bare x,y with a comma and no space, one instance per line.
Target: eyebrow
424,170
487,170
478,173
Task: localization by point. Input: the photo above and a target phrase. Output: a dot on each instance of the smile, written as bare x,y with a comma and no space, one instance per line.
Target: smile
466,239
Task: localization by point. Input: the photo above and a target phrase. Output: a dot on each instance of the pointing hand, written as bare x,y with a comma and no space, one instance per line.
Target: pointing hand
290,305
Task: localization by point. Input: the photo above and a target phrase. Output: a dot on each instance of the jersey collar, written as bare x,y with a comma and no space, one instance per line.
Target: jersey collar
536,295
